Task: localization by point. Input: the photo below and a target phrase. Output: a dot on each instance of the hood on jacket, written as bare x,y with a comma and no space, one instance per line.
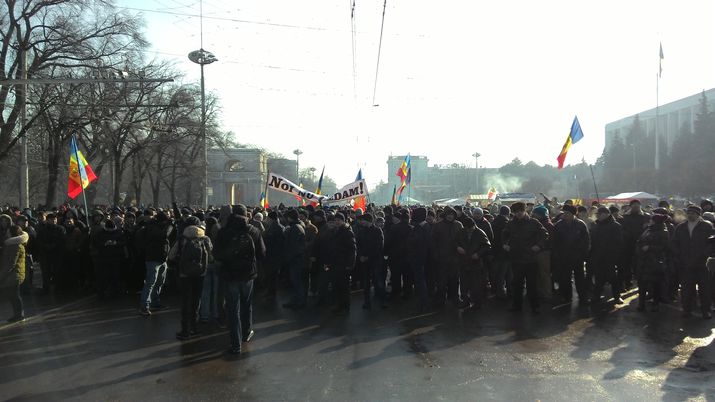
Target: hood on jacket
193,232
5,221
21,239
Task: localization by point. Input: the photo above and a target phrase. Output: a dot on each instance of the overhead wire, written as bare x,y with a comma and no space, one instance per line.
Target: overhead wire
379,51
354,46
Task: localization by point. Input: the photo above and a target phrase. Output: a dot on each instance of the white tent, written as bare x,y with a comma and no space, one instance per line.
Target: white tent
638,195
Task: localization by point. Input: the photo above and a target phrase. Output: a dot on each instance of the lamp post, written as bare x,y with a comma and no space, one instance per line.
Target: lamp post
203,57
297,154
476,156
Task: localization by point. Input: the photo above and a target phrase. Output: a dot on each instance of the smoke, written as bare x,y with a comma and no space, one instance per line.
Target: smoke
503,183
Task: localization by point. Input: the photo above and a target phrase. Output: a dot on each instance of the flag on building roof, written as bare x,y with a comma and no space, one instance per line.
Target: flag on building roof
80,173
574,136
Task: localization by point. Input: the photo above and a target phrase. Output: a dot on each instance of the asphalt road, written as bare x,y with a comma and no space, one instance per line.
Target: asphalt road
87,350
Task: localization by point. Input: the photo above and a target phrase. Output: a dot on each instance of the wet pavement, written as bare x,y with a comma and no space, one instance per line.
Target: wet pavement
87,350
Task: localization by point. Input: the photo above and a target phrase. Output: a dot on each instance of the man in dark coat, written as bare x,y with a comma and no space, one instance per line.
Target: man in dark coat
570,248
500,274
543,258
691,251
444,246
341,261
294,258
606,246
274,238
370,242
523,238
472,248
396,250
238,270
152,241
50,238
634,224
418,250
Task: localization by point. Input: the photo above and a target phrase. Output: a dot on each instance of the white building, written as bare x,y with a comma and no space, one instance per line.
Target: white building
671,118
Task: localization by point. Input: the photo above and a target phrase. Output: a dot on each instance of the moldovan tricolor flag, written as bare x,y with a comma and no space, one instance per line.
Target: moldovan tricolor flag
80,173
574,136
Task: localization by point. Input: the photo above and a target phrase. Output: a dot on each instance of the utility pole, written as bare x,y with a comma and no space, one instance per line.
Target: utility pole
476,156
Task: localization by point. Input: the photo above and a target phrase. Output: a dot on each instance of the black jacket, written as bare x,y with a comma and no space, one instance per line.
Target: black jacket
521,235
653,262
294,243
473,242
691,252
633,227
444,241
500,222
274,239
396,242
153,240
242,269
342,248
419,244
370,242
571,241
606,242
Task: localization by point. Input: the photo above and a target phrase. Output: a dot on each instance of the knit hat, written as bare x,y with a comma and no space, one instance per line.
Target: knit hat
340,216
419,215
239,210
504,210
478,211
292,214
193,221
541,211
570,209
603,210
518,207
449,211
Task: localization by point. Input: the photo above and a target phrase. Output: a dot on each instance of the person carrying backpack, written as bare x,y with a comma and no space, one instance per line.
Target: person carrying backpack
192,253
238,247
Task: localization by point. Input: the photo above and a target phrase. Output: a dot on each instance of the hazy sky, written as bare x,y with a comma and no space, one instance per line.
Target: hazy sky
504,78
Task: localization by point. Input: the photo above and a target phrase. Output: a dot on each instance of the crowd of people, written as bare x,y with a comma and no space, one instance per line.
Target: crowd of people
430,256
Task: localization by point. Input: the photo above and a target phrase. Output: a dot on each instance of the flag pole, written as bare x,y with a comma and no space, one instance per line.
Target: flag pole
595,187
81,181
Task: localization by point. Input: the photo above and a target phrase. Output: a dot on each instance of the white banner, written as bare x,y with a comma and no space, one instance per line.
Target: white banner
284,185
351,191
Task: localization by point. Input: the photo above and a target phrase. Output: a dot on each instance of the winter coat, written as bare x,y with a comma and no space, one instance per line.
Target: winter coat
550,228
153,239
12,261
653,262
486,227
444,241
274,237
191,232
419,244
691,252
238,270
51,238
633,227
370,243
521,235
110,245
500,222
571,241
606,242
473,241
396,242
342,248
294,243
321,245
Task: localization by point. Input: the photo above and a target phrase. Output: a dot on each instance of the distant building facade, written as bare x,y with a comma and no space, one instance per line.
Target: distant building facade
238,176
672,118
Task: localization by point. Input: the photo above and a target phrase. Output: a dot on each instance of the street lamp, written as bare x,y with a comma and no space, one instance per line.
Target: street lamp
297,154
203,57
476,156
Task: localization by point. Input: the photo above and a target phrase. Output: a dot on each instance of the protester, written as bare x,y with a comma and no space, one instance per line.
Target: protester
571,244
606,246
653,254
238,247
12,266
153,241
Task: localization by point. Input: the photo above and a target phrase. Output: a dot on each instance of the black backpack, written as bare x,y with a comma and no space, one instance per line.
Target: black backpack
240,250
194,257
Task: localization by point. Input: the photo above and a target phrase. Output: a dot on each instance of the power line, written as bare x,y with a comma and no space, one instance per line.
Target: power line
354,44
226,19
379,50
